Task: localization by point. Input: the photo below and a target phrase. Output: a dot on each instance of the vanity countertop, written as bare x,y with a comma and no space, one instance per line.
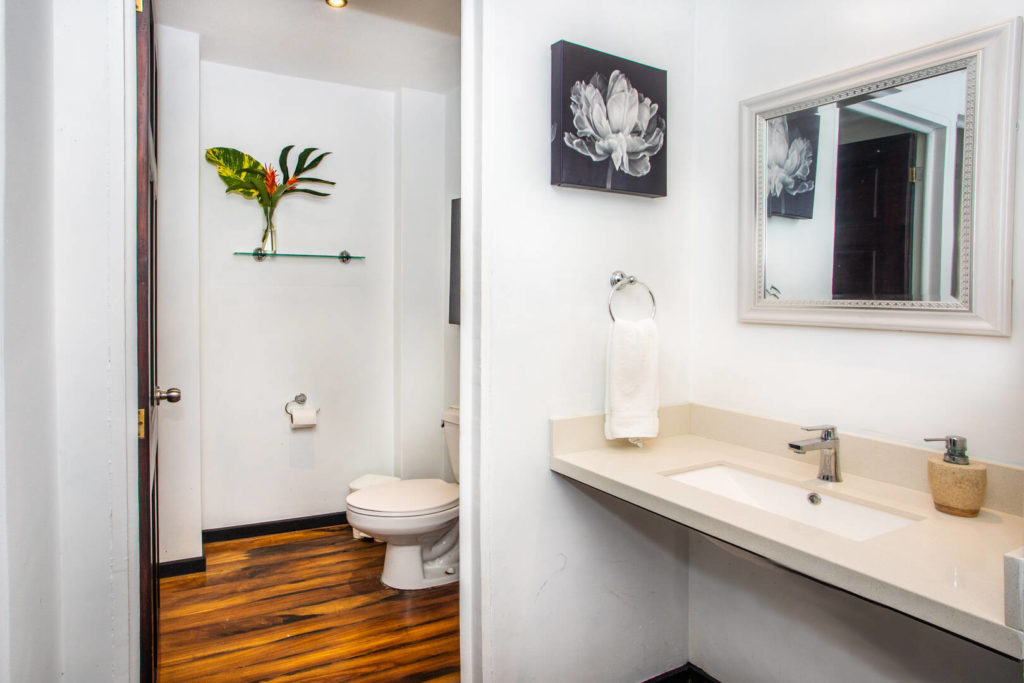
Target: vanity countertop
944,570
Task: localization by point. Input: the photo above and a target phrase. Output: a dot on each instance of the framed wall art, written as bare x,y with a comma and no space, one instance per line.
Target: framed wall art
791,157
608,120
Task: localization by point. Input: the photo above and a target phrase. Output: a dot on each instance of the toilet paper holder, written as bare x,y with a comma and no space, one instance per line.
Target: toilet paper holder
300,399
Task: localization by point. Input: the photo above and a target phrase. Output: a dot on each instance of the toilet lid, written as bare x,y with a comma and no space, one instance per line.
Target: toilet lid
403,498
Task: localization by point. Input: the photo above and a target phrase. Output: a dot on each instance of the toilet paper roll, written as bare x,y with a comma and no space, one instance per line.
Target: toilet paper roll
303,417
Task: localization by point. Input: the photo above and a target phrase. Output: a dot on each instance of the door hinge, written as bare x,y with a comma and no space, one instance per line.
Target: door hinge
913,174
142,423
138,5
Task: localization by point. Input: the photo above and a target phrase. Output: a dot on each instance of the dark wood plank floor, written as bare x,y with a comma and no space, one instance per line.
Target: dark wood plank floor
304,606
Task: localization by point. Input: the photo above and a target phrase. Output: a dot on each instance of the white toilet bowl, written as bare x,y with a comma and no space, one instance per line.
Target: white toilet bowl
418,519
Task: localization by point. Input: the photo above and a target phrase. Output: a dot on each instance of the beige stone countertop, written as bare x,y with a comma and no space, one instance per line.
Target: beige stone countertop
944,570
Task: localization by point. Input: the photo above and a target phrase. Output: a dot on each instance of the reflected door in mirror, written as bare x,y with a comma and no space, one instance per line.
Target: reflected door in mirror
874,213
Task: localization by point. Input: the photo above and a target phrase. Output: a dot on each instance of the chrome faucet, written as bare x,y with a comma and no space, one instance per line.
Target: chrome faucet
828,444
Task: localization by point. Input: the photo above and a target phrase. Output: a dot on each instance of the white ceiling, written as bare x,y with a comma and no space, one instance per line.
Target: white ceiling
383,44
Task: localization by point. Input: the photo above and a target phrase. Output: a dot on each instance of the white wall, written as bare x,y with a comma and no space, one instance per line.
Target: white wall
421,288
5,584
452,190
575,585
900,386
178,333
93,290
69,571
30,571
272,330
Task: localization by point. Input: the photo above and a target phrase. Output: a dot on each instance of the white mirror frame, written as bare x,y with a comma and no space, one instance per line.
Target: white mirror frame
990,217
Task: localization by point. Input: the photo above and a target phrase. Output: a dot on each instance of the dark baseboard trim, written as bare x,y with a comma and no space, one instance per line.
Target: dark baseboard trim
190,565
231,533
688,673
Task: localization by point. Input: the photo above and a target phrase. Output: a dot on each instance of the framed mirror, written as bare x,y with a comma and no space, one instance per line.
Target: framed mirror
882,196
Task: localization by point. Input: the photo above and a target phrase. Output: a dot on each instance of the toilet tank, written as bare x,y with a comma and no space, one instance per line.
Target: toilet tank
451,437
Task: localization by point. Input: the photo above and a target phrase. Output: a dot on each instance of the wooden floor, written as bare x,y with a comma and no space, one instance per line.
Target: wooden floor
304,606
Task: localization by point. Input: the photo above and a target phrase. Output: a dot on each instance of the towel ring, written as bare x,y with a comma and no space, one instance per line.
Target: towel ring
620,280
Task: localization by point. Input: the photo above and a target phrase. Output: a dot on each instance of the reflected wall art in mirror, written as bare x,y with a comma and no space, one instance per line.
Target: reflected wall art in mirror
882,196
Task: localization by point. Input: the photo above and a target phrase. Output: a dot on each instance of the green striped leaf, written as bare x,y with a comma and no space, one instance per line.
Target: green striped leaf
240,172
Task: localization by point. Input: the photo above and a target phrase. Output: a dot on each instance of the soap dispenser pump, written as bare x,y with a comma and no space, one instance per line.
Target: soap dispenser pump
958,485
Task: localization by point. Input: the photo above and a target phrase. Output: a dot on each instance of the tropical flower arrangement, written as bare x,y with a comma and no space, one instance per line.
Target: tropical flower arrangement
245,175
788,163
614,121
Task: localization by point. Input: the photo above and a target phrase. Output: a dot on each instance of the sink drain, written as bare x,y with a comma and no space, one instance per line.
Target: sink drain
814,499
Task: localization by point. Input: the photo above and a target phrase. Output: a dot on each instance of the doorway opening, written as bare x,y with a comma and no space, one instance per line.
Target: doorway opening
367,340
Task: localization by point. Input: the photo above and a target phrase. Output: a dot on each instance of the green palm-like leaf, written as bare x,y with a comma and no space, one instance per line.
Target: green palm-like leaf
314,180
239,171
302,189
313,164
283,162
303,155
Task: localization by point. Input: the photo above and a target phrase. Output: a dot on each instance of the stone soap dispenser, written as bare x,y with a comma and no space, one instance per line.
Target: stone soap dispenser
958,486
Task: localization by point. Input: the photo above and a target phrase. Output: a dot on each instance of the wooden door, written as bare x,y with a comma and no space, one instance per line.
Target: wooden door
874,210
146,303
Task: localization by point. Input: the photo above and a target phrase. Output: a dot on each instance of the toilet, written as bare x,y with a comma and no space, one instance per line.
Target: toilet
418,519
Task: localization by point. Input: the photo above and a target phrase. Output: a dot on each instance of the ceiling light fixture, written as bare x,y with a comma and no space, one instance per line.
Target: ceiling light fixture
336,3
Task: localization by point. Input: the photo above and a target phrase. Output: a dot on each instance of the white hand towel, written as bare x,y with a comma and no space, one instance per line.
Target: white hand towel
631,388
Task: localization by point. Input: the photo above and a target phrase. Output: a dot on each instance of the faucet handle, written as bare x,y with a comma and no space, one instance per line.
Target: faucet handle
828,432
956,448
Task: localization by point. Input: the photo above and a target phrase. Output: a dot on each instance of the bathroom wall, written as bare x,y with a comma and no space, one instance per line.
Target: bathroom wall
452,190
272,330
575,585
93,294
29,538
178,333
900,386
421,296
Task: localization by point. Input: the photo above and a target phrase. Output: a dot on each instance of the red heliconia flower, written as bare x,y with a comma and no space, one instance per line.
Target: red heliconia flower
291,181
270,179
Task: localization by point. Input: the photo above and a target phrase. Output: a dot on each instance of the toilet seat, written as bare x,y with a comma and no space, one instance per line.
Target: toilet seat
408,498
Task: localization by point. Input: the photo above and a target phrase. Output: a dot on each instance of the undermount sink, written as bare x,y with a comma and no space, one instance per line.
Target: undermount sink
855,521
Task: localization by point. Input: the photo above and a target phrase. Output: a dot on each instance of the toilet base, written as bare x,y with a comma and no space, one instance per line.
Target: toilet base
416,562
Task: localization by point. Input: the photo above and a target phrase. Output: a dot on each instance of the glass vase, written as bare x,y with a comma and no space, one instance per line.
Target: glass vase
269,245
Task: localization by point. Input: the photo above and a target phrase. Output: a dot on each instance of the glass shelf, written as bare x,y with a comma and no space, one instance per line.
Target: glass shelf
260,255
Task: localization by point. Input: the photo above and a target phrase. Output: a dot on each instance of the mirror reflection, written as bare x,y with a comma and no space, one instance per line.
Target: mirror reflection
862,195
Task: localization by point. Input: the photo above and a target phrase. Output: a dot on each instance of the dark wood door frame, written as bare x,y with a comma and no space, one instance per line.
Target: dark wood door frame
146,311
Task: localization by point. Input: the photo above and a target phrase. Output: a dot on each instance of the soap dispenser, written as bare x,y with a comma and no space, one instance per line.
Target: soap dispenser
958,485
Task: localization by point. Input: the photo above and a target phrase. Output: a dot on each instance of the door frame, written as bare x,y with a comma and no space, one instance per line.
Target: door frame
474,377
146,335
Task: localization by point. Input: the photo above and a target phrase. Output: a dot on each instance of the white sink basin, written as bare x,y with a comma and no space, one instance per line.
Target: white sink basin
850,520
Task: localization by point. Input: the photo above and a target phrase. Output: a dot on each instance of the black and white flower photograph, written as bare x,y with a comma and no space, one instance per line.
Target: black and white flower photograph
608,122
791,151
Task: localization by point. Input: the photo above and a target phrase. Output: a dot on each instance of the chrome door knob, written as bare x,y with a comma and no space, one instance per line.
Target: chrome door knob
172,395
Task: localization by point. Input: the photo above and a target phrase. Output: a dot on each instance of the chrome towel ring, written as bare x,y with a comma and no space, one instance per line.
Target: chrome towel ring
620,280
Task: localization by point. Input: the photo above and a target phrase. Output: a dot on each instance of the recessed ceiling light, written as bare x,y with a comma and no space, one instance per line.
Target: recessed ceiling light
336,3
